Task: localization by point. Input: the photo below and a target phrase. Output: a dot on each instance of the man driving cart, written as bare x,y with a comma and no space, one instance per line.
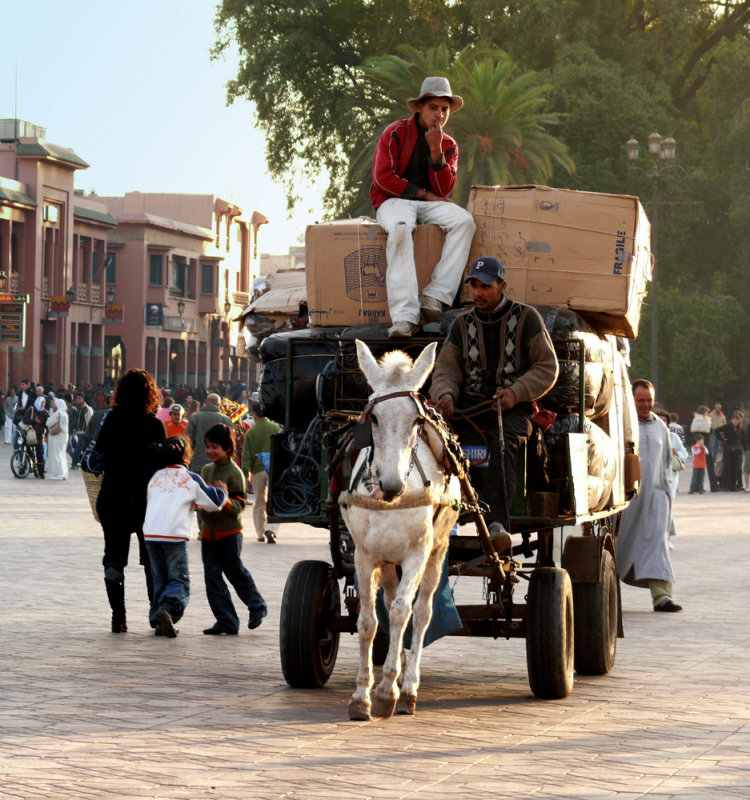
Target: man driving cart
497,354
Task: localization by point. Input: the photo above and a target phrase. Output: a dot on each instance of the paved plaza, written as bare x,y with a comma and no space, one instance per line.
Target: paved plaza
88,714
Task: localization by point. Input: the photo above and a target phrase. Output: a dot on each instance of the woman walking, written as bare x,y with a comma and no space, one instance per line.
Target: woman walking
57,439
127,441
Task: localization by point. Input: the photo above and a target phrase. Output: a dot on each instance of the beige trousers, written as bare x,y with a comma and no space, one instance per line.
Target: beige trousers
260,488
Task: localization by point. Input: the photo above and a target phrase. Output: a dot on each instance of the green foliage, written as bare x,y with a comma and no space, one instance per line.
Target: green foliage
326,76
699,336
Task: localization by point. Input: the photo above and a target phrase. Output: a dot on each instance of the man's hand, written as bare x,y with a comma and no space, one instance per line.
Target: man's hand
434,139
221,485
436,198
506,397
445,406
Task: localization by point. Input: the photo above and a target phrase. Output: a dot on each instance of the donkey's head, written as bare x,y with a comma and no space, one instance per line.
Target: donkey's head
396,420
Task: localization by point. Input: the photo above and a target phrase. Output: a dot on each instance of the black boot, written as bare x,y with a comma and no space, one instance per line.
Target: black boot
116,596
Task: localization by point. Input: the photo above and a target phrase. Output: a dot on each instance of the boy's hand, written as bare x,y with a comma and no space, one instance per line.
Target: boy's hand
221,485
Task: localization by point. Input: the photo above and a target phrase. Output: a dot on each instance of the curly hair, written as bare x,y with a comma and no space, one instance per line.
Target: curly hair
222,435
137,392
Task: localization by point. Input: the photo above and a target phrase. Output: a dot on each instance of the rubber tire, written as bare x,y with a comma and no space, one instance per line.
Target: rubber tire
308,648
596,621
550,633
20,464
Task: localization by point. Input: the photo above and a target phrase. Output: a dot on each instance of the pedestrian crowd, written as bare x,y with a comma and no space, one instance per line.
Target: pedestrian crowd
164,463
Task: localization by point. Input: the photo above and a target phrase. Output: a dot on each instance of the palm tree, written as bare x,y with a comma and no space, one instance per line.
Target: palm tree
501,130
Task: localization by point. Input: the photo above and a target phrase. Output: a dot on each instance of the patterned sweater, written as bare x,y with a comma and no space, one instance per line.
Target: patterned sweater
509,348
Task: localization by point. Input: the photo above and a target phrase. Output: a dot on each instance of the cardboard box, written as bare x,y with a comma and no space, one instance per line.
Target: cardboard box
588,251
345,269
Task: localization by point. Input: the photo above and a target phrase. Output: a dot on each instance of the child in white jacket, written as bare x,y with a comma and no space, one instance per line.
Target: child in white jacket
173,494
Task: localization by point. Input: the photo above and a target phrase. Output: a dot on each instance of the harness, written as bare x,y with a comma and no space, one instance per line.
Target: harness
428,495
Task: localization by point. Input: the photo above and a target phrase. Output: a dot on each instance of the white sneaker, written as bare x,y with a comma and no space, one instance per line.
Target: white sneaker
432,309
402,329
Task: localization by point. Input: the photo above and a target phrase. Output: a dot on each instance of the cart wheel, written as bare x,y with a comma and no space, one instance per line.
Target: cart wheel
20,464
308,647
596,621
549,633
380,647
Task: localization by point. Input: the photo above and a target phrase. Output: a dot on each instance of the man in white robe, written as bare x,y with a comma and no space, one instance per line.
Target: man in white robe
642,551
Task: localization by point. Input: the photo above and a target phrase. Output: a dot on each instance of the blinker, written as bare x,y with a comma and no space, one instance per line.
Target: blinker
363,434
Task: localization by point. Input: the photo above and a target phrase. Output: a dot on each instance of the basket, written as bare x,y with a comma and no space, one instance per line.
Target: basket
93,484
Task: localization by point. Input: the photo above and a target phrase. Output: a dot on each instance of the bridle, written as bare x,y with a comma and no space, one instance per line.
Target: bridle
365,418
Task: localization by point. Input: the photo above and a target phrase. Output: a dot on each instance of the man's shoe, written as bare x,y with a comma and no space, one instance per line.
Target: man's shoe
431,308
261,538
402,329
218,630
270,537
256,618
164,621
668,605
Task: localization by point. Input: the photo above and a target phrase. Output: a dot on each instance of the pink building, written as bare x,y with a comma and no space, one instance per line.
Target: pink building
144,280
53,249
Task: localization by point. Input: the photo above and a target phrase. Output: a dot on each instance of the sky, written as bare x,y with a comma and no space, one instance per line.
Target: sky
130,86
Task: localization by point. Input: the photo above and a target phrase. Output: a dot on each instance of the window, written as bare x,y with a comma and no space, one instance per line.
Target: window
178,278
207,279
110,268
155,276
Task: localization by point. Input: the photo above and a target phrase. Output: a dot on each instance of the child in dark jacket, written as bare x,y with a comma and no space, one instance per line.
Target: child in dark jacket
221,540
172,494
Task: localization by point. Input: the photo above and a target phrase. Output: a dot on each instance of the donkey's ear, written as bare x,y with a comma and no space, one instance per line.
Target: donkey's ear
369,365
423,365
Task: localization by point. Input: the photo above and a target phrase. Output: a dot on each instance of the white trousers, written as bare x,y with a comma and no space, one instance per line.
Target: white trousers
8,430
260,490
399,218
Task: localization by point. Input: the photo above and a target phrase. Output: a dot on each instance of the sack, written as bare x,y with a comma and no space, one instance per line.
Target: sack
677,463
55,429
31,439
700,424
265,459
92,461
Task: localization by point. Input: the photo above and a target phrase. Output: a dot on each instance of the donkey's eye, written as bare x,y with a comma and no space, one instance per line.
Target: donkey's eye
373,419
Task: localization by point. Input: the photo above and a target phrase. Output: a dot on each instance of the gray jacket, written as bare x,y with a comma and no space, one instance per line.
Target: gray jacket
198,424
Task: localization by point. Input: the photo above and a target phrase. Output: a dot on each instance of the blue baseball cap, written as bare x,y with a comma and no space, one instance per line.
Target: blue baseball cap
486,269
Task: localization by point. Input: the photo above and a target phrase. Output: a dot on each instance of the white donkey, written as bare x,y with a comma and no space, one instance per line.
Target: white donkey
399,511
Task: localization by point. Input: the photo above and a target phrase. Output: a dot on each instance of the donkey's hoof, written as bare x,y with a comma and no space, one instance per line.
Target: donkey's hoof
407,703
383,706
359,710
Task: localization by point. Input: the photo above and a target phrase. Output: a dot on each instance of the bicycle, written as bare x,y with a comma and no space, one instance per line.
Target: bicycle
23,461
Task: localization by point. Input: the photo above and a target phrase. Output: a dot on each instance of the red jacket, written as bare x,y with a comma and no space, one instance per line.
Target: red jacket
392,156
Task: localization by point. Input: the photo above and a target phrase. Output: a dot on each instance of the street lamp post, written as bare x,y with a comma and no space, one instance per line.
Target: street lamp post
181,311
661,149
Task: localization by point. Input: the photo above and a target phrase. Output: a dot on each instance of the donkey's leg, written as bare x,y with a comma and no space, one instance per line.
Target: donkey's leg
407,700
367,575
389,582
386,693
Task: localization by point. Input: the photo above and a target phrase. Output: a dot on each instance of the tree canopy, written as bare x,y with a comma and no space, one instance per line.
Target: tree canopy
326,75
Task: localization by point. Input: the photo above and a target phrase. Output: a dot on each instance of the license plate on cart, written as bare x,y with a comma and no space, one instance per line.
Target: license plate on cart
477,454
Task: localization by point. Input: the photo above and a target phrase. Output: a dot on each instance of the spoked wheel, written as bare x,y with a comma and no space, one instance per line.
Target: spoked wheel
596,621
307,644
20,464
549,633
